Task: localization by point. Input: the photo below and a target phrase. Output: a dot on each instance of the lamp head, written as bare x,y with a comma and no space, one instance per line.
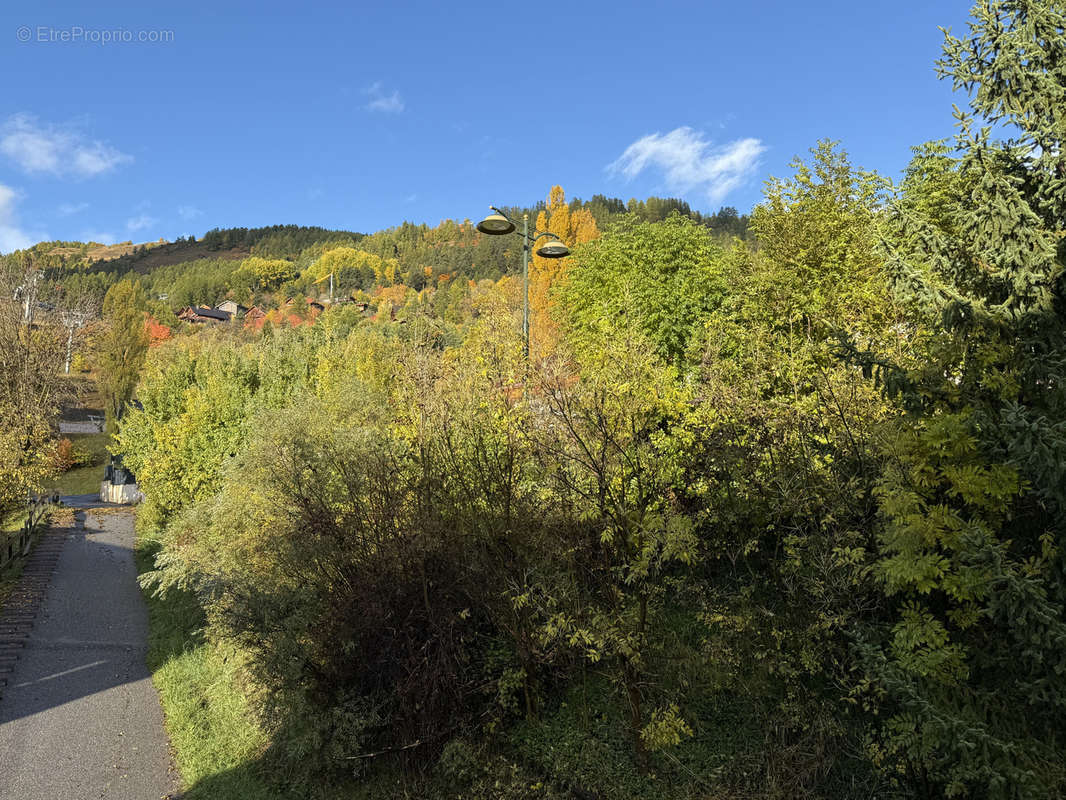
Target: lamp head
495,225
553,249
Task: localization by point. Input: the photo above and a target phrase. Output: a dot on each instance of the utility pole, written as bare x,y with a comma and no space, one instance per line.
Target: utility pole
72,320
330,276
70,347
525,283
28,293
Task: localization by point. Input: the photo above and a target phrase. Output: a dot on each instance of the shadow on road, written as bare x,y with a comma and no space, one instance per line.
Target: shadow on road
86,501
80,710
90,633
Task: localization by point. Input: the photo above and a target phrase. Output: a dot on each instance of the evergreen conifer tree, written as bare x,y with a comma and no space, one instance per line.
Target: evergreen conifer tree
973,665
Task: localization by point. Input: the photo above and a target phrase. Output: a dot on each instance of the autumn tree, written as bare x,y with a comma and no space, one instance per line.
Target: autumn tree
268,273
157,331
32,391
572,228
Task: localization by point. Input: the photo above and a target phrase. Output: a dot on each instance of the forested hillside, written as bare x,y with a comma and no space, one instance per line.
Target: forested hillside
767,506
206,270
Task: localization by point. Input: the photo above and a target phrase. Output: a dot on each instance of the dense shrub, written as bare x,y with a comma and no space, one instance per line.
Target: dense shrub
768,521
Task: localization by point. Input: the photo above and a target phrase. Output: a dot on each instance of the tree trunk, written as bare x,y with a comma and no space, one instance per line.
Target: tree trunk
636,715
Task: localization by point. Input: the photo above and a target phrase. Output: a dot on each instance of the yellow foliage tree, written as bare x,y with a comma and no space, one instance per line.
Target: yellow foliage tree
268,273
338,258
572,228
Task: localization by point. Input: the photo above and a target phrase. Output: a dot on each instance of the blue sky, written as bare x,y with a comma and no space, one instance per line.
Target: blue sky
361,115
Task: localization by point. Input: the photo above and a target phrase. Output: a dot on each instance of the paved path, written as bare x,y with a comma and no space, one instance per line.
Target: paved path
81,427
84,501
79,716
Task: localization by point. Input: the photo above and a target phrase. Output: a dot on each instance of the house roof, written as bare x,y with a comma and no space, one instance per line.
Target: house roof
212,313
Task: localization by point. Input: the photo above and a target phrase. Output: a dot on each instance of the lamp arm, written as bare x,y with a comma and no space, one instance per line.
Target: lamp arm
533,238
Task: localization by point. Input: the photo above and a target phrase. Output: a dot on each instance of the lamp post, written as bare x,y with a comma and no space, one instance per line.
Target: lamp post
498,224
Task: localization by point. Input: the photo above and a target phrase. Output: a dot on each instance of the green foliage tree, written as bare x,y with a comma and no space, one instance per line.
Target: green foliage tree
786,466
120,348
612,449
973,500
646,273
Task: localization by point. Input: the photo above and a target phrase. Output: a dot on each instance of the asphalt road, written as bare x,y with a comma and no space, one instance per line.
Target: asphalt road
79,716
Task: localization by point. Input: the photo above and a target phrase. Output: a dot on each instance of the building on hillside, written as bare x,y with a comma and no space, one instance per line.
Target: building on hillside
254,318
201,315
314,306
232,308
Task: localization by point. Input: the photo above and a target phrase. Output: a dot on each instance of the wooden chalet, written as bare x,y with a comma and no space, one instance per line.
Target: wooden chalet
204,316
254,318
232,308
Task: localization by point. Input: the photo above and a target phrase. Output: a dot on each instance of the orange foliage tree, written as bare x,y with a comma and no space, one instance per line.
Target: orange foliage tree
157,331
572,227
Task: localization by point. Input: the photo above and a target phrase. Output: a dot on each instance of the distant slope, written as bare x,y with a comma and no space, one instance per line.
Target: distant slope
127,256
190,269
145,258
274,241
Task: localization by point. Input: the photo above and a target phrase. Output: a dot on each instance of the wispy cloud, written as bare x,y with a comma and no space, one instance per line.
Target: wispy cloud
189,212
70,209
12,235
380,100
38,147
139,223
690,162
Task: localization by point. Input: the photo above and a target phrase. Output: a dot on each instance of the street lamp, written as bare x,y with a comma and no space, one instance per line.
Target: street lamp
498,224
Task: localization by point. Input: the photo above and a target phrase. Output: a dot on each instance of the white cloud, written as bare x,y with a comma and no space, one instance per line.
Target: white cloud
189,212
12,235
139,223
390,103
40,148
70,209
688,161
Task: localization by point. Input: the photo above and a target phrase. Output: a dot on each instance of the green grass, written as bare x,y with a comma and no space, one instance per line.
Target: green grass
216,744
85,480
13,522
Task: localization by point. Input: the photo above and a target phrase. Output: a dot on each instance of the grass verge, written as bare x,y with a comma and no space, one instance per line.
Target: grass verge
216,744
85,480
